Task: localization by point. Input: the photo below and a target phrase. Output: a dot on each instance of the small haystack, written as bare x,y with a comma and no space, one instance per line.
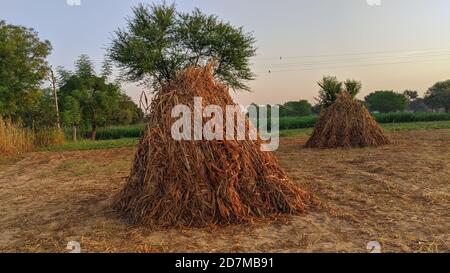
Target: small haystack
346,123
202,183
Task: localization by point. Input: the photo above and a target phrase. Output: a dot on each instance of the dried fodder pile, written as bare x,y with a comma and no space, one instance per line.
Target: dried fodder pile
202,183
346,123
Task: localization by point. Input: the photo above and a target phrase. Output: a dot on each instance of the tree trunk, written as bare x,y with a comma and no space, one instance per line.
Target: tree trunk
94,132
74,133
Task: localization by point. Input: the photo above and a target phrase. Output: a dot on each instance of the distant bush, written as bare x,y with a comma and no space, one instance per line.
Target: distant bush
386,101
296,109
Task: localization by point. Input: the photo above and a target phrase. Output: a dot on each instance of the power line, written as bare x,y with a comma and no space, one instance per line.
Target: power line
350,54
355,65
356,59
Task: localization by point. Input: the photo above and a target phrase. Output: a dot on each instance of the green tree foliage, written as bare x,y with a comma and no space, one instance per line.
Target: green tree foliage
330,87
128,112
438,96
159,41
71,115
296,108
83,93
38,109
417,105
23,68
386,101
353,87
411,95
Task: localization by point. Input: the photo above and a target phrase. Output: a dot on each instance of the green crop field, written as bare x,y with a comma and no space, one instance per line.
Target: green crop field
123,136
286,123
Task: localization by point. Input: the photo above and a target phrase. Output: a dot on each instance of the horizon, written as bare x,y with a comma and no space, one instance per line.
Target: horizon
396,45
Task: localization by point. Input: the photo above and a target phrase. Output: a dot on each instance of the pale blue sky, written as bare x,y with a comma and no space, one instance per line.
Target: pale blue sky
398,45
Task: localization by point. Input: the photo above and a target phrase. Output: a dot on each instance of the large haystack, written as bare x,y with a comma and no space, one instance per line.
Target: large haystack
202,183
346,123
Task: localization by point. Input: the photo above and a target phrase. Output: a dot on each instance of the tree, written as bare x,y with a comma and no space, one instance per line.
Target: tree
386,101
38,109
330,87
353,87
128,112
71,115
411,95
438,96
23,68
417,105
296,108
316,108
97,99
159,41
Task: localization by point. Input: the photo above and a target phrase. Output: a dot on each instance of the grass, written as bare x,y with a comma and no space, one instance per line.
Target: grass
110,132
390,127
431,125
93,145
14,138
286,123
131,142
295,132
404,117
49,137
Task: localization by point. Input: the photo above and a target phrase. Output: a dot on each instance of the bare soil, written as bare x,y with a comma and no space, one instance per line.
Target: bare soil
398,195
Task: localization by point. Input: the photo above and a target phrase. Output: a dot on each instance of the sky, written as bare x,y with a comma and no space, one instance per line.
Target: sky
386,44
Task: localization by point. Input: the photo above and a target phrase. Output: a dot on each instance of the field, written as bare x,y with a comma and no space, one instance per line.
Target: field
398,195
286,123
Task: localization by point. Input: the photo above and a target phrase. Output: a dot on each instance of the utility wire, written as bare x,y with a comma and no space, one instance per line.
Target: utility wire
354,65
355,59
350,54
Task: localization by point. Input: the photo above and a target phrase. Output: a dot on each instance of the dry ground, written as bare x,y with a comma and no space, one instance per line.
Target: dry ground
398,195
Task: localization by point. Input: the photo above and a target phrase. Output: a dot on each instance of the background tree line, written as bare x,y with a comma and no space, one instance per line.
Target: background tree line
157,42
436,99
84,98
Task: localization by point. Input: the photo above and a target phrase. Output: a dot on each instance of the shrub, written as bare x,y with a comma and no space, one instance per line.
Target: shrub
14,138
49,137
